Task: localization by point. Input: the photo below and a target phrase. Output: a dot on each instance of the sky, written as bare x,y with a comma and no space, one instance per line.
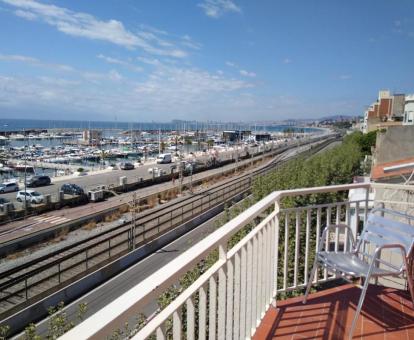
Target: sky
223,60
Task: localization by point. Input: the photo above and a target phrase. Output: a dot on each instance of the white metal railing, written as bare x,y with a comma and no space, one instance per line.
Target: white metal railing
229,300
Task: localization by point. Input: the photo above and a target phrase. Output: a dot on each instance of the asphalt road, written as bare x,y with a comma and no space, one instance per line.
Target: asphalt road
112,177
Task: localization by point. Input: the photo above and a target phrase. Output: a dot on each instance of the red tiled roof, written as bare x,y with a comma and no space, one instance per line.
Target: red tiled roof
377,171
387,313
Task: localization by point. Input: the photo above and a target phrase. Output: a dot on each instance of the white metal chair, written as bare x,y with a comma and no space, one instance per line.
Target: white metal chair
380,233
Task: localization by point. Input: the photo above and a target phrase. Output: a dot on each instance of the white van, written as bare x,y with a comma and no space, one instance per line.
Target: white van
164,158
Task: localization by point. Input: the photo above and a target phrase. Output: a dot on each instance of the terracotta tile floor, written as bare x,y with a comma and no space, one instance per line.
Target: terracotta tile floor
387,314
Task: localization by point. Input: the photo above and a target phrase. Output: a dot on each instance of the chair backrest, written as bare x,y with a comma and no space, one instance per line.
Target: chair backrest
380,230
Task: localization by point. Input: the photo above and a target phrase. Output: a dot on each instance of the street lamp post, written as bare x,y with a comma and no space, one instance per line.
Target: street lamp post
25,177
133,206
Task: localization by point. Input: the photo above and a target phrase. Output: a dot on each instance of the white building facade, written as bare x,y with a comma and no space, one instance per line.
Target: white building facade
409,110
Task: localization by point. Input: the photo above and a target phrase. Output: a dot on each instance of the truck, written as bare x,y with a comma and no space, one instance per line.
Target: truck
164,158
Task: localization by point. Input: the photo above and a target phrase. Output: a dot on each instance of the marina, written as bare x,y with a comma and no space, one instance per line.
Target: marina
62,152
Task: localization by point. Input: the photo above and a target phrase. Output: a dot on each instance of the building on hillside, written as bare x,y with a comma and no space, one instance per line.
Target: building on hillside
92,136
233,136
393,149
409,110
397,107
387,108
262,137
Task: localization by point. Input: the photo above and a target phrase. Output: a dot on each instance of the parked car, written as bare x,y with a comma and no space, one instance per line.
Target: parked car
4,201
8,187
72,189
31,196
126,166
164,158
38,181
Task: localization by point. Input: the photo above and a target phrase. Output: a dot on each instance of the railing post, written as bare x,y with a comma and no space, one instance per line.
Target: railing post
366,205
377,263
276,252
222,280
202,314
347,222
285,259
297,248
308,223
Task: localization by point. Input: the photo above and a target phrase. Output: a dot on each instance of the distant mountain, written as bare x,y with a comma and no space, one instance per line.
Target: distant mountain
337,118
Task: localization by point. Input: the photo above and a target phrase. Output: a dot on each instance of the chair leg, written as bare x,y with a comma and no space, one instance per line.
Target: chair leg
358,310
311,276
409,274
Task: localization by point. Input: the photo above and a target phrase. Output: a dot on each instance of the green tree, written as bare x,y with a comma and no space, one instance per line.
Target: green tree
162,147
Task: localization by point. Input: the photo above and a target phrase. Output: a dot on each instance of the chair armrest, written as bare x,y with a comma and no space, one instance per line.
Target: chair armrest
391,246
333,227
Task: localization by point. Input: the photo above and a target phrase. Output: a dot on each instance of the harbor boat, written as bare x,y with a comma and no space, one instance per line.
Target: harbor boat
23,168
17,136
4,140
5,169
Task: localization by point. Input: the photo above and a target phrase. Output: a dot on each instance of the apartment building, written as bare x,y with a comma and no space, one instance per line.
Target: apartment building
409,110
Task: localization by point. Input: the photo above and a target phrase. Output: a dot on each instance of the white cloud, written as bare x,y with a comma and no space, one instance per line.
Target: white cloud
167,92
15,57
87,26
114,75
187,41
345,76
124,63
25,14
149,61
180,81
35,62
217,8
242,72
287,61
247,73
59,81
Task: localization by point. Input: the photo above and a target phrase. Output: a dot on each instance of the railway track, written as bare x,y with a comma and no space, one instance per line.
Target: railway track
25,284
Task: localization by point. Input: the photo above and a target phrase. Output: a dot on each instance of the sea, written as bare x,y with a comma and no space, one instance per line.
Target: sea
7,124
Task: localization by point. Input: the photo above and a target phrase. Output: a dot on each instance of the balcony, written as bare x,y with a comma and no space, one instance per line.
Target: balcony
249,288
